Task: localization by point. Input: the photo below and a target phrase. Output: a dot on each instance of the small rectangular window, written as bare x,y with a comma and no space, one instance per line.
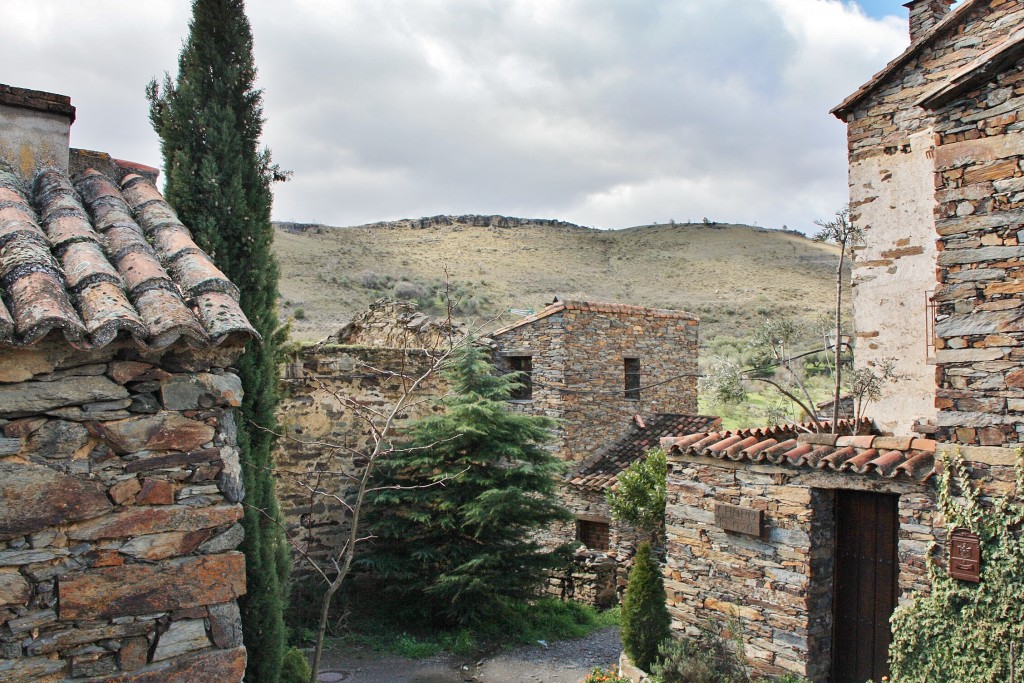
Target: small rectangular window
632,367
523,364
594,535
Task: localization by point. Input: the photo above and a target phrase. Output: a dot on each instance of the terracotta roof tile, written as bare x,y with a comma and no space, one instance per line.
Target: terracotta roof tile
74,257
600,470
884,456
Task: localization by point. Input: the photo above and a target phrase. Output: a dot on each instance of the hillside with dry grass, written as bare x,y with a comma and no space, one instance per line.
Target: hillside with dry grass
732,276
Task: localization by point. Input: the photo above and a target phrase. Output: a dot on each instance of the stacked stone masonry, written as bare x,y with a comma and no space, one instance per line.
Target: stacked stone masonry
896,196
979,217
329,391
119,515
778,587
579,350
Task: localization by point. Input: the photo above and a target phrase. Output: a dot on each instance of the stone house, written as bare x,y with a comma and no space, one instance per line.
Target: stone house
934,147
120,483
787,531
593,366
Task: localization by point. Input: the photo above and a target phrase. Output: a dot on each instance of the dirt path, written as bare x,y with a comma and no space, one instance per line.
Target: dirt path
565,661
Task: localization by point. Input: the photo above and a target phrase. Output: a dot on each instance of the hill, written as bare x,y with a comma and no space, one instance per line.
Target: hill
732,276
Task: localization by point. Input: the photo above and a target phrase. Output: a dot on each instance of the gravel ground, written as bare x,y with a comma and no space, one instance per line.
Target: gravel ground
565,661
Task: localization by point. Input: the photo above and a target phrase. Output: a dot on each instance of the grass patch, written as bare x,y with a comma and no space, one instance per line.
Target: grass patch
545,619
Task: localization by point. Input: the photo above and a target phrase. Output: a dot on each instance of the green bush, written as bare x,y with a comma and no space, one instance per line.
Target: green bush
708,658
645,619
963,632
295,666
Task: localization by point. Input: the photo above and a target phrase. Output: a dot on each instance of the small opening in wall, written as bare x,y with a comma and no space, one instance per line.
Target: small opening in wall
632,372
930,309
594,535
523,364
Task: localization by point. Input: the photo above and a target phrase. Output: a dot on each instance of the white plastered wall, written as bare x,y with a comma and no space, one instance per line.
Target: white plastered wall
892,198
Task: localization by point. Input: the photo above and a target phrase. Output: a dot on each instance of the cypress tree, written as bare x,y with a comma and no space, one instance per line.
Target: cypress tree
218,179
457,538
645,619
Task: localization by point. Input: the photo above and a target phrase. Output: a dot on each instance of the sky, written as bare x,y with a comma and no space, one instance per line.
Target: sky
605,113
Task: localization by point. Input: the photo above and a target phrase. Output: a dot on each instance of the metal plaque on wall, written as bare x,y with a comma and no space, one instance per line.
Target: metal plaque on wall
965,555
739,519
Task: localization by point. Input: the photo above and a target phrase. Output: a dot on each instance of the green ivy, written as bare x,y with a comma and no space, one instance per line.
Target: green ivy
964,632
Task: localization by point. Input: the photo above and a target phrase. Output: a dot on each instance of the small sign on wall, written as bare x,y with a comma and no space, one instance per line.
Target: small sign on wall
965,555
739,519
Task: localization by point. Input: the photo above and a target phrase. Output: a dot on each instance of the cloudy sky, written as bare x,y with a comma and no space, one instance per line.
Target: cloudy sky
607,113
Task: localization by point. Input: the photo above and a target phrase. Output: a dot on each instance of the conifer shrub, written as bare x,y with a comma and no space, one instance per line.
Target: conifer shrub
645,618
295,666
455,509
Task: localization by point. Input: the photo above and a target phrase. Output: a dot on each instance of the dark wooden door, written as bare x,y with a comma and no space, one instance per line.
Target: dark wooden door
865,585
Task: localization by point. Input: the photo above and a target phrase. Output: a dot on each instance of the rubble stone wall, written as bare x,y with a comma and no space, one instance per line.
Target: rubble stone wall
324,431
979,164
119,515
597,577
779,585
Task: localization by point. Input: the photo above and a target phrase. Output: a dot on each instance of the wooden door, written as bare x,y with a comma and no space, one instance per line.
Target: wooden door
865,585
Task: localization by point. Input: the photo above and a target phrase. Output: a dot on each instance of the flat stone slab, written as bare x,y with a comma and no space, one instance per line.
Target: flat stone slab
32,398
33,497
131,590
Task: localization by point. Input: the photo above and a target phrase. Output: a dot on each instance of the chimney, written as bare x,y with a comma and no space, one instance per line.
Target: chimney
926,13
35,129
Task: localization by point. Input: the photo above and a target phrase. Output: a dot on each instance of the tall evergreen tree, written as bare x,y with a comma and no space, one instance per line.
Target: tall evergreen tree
218,179
457,509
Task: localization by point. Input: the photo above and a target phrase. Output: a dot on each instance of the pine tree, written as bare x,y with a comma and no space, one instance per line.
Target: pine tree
458,538
645,618
218,179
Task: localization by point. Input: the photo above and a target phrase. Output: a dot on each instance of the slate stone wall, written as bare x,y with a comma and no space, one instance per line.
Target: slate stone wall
979,164
778,586
324,431
578,372
892,147
119,509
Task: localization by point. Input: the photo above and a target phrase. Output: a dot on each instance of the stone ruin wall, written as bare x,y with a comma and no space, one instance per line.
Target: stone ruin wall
779,586
314,419
596,577
120,489
980,221
892,197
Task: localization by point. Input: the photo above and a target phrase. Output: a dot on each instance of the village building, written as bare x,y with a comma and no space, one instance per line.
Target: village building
809,541
120,483
609,373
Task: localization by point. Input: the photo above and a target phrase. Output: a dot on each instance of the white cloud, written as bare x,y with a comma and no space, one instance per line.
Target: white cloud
596,111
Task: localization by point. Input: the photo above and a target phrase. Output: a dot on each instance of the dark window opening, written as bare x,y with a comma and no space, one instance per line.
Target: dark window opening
523,364
594,535
632,367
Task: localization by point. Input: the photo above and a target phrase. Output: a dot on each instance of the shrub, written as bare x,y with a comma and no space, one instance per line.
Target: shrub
645,619
295,667
708,658
407,291
966,632
299,314
371,280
